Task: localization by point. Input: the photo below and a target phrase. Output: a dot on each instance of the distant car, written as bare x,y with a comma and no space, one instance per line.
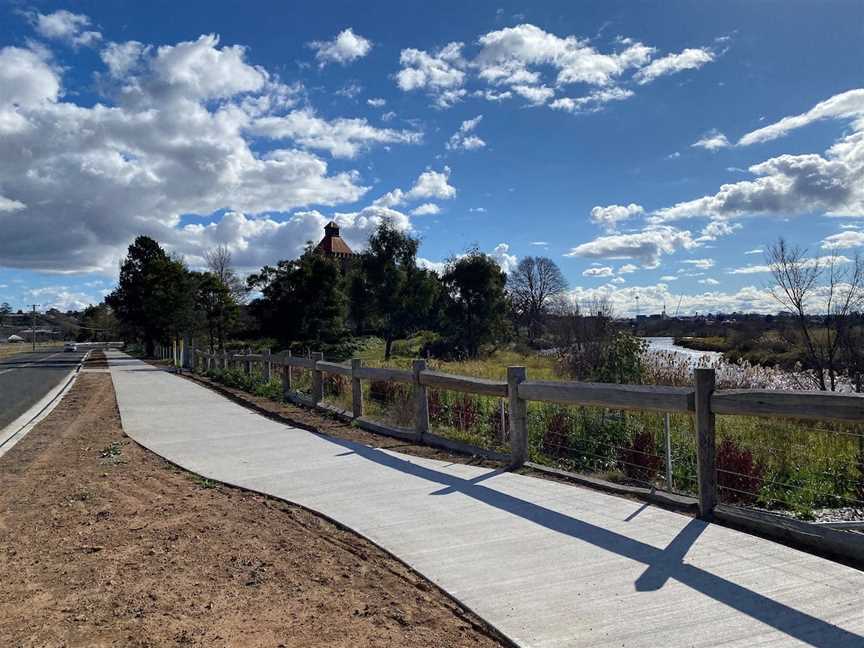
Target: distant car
70,347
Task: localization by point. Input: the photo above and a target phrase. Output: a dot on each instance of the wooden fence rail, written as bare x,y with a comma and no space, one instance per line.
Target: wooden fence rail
702,401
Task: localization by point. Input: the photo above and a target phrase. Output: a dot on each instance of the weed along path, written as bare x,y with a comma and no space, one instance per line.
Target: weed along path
547,564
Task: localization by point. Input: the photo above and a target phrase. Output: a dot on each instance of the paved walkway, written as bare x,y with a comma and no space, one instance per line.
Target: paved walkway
547,564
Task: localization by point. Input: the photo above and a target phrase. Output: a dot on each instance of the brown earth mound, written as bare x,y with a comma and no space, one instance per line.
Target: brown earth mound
104,544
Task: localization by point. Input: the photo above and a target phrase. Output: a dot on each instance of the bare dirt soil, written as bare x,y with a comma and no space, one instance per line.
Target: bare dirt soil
104,544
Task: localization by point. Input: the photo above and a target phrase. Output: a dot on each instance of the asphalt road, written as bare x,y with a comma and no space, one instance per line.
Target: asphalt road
27,377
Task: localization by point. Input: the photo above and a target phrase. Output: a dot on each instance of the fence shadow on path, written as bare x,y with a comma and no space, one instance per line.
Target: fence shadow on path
662,564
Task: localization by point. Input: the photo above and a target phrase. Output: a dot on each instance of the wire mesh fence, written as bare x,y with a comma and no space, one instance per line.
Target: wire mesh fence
788,465
481,421
648,449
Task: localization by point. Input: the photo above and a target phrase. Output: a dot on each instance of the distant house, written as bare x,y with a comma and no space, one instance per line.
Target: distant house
334,247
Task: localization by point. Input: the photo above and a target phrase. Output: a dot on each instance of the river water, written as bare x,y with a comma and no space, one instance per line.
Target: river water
667,345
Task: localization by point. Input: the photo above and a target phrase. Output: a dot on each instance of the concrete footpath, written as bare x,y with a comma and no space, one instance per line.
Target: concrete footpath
547,564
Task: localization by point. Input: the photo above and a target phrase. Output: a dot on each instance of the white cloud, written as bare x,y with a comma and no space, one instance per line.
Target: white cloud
345,48
63,298
425,209
539,243
9,205
809,263
609,216
432,184
843,240
591,102
846,105
600,271
536,95
67,27
377,102
709,281
438,267
515,62
646,246
97,175
711,141
755,251
464,138
507,261
26,81
481,210
627,268
340,137
122,58
653,297
512,49
668,278
440,74
688,59
702,264
429,184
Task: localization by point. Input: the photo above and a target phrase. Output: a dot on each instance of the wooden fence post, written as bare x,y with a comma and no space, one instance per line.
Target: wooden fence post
317,378
224,360
268,366
421,400
705,442
356,389
247,363
518,416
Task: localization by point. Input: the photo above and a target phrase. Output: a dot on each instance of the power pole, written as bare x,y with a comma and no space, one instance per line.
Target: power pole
33,328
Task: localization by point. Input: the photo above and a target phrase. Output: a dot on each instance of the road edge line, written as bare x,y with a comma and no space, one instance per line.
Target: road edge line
20,427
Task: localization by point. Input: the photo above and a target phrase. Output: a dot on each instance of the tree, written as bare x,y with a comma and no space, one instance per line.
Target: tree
98,323
475,302
154,299
5,311
222,313
822,294
391,290
216,306
535,284
302,300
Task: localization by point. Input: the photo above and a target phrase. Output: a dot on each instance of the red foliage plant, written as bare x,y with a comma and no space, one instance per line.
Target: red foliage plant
638,460
739,476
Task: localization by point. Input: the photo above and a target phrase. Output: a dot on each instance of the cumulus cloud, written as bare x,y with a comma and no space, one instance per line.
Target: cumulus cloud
843,240
170,139
432,184
515,62
711,141
345,48
340,137
67,27
464,138
609,216
646,246
651,299
377,102
507,261
688,59
429,184
709,281
425,209
440,73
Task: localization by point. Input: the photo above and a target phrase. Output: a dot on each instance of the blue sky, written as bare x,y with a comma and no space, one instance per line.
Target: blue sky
651,149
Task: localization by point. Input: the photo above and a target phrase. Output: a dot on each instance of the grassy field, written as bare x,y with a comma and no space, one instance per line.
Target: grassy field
7,350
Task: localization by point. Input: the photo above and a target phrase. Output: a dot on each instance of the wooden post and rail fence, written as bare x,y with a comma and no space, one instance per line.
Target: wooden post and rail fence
702,401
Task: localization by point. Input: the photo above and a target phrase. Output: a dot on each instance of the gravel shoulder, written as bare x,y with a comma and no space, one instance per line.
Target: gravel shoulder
104,544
